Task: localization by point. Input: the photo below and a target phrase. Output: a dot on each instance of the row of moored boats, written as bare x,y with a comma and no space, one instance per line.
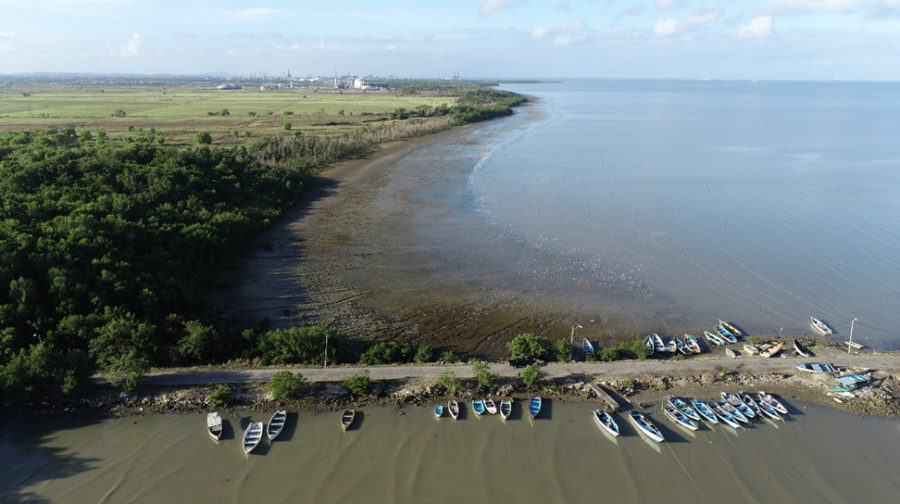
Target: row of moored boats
253,434
734,410
488,406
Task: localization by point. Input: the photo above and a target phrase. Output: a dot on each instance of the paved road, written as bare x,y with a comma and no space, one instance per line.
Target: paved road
883,362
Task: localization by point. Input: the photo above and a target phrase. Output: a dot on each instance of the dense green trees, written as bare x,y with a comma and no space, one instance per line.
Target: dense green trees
303,345
530,347
285,385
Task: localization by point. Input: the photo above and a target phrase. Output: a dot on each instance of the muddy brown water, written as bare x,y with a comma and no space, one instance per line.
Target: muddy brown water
391,455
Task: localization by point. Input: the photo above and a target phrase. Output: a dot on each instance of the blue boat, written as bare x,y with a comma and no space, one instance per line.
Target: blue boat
768,409
478,406
726,407
588,346
726,418
708,414
534,406
722,327
438,411
645,426
605,421
680,418
739,404
680,405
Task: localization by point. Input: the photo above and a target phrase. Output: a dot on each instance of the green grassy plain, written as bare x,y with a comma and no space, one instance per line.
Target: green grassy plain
180,113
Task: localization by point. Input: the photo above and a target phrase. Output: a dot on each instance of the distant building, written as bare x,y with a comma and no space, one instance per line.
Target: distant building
228,86
369,83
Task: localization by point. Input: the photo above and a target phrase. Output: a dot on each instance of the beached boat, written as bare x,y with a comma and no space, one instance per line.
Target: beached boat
850,387
605,421
768,410
739,404
214,425
453,408
772,350
645,426
438,410
733,411
800,349
490,406
853,379
704,410
732,330
478,406
679,404
347,418
671,346
751,350
713,338
750,402
817,367
730,353
680,418
587,346
820,326
682,348
276,424
252,436
505,409
775,403
649,342
691,342
658,345
723,415
534,407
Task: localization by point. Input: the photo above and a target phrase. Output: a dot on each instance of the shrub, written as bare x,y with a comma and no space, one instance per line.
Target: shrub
303,345
287,126
220,396
386,352
449,357
531,375
203,138
358,384
563,350
450,381
285,384
484,379
613,353
423,354
676,357
753,339
634,349
530,347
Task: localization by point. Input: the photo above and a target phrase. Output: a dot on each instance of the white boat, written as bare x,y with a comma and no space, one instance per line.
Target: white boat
671,346
768,410
490,406
821,327
739,404
649,342
680,418
214,425
733,411
723,415
704,410
680,405
276,424
347,418
800,349
252,435
751,350
772,350
730,353
714,338
690,341
750,402
505,409
645,426
817,367
682,347
605,421
453,407
771,400
658,345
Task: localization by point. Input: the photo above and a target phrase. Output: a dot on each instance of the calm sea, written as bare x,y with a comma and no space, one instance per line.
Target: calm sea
408,456
758,202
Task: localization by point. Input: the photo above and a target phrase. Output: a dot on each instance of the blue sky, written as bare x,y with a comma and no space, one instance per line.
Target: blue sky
736,39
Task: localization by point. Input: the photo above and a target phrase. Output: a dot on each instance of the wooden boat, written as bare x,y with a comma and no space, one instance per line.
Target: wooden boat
679,404
438,411
276,424
605,421
588,346
214,425
252,436
772,350
731,410
649,342
723,415
817,367
748,400
739,404
645,426
505,409
691,342
680,418
347,418
821,327
478,406
730,353
732,331
490,406
534,407
775,403
713,338
750,349
704,410
800,349
658,345
453,407
682,348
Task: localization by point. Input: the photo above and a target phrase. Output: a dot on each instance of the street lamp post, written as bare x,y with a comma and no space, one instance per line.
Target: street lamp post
326,348
850,343
572,338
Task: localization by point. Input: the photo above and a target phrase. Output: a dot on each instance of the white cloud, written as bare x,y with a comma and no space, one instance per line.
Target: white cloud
489,7
759,27
705,15
540,32
884,9
634,10
667,5
809,6
561,40
252,15
131,48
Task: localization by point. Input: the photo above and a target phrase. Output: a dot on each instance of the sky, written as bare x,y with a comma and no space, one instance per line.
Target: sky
501,39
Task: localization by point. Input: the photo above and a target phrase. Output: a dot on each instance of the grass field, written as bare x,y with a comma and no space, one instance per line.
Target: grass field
177,114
